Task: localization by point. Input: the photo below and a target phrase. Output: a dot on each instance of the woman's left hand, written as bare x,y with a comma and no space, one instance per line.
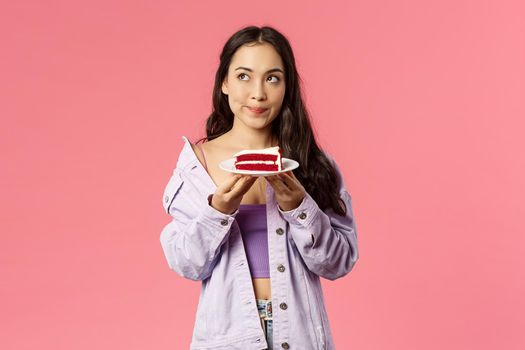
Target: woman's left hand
288,190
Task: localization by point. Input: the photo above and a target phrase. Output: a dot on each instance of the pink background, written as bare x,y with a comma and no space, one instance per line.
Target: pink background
421,103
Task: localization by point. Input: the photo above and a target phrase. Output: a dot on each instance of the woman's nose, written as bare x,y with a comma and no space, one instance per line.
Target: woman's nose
258,92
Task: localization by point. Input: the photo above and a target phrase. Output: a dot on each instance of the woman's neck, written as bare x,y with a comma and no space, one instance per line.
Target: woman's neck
251,138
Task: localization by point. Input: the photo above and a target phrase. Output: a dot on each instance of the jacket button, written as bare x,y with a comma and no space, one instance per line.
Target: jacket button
224,222
166,198
285,345
280,268
302,216
283,306
279,231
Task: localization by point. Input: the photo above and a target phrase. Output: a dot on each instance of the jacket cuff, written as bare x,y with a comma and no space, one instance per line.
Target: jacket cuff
216,219
304,214
218,225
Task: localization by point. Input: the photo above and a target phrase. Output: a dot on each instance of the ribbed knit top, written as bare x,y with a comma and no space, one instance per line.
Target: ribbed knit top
254,231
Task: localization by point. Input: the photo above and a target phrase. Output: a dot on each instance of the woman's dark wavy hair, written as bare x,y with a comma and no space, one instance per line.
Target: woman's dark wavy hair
292,126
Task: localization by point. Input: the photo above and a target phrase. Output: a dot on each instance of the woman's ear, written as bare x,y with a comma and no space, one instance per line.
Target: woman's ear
224,86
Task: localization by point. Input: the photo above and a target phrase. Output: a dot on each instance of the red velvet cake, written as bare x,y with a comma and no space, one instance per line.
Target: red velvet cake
268,159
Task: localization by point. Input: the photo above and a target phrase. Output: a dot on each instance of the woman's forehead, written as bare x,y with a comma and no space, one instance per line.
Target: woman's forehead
260,57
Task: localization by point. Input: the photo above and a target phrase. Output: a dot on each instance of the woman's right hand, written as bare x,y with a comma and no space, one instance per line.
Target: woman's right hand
227,197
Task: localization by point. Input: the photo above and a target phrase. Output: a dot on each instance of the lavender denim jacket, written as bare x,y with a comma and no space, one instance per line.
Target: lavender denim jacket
203,244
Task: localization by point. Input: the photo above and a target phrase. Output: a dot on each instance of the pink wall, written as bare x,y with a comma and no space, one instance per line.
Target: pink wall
421,102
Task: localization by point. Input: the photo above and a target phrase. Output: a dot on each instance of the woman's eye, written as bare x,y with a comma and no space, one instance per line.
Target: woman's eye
269,77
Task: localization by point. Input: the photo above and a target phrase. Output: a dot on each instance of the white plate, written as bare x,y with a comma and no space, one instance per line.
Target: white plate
229,165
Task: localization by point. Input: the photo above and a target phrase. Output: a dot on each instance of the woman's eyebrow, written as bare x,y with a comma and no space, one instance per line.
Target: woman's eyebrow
270,71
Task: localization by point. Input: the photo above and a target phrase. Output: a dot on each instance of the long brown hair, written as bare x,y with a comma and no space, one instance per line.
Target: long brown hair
292,126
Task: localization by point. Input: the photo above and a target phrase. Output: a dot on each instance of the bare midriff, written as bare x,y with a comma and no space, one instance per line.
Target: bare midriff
262,288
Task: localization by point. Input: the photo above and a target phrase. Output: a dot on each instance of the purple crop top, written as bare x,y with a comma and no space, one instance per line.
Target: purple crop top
254,231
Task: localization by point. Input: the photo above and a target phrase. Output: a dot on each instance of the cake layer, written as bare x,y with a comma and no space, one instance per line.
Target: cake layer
255,156
257,167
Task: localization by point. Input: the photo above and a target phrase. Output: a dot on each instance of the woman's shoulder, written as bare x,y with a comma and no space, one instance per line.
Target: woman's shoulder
204,148
188,153
198,153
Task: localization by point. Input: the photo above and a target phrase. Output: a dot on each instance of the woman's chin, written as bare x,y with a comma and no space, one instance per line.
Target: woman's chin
253,121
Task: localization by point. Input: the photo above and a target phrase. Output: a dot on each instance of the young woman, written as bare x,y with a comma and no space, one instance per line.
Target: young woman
259,244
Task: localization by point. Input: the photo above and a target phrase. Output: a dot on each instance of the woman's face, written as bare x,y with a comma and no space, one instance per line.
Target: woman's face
255,79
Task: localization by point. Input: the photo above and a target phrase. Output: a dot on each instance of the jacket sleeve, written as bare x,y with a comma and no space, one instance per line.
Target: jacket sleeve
326,241
192,240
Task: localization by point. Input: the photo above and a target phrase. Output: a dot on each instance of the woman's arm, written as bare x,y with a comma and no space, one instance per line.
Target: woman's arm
192,240
326,241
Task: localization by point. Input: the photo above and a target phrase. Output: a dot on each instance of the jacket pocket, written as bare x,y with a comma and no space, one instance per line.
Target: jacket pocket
171,190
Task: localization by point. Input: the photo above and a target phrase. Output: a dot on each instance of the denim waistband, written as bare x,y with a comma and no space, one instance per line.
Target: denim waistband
265,308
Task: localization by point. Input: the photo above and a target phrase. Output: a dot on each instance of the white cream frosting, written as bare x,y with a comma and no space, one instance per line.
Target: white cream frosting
270,150
256,162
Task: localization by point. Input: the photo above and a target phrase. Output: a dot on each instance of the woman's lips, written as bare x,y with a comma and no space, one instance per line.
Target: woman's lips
257,110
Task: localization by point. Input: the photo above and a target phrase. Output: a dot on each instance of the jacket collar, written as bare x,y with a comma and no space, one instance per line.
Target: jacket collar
187,156
188,162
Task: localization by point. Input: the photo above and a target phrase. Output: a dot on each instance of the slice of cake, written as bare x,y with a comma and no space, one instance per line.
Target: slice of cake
268,159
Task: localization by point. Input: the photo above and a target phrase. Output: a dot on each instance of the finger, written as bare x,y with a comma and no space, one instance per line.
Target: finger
243,185
270,179
291,174
290,180
278,184
228,184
